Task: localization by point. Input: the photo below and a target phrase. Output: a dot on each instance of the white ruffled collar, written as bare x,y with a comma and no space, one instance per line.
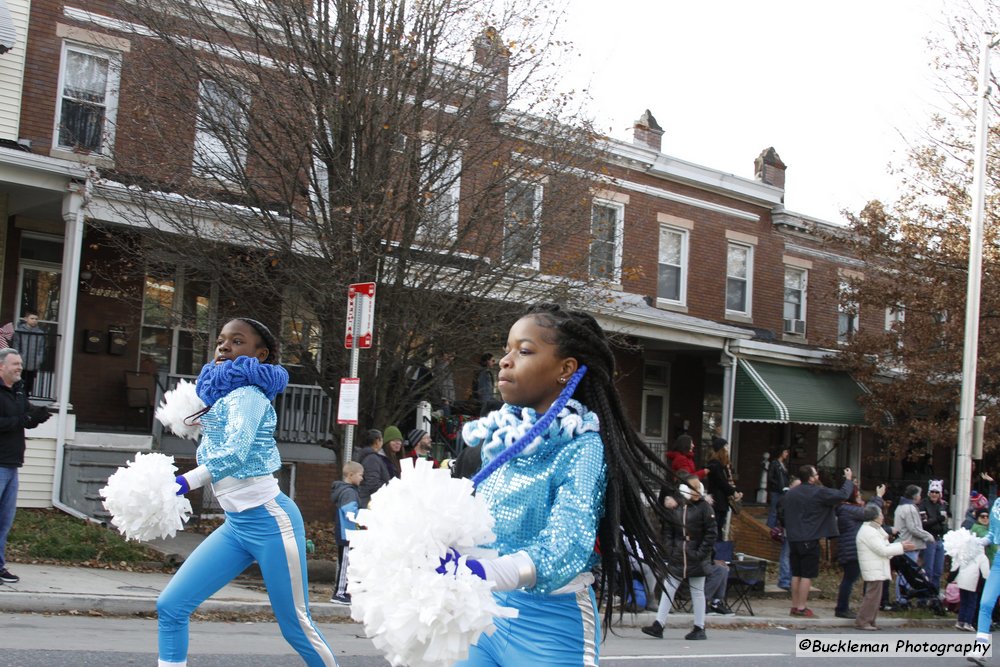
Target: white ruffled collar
502,428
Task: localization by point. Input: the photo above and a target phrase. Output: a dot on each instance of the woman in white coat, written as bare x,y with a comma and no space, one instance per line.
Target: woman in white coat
874,552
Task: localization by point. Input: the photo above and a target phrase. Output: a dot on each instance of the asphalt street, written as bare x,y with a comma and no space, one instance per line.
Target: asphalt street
42,640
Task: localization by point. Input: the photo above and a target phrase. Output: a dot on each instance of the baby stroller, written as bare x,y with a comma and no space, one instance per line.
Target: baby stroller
915,586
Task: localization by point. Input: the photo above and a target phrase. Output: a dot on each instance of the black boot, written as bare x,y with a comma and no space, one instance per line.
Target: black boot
696,633
654,630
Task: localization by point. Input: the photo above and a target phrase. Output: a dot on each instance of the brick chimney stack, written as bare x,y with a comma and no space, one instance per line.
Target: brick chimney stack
769,169
647,132
493,56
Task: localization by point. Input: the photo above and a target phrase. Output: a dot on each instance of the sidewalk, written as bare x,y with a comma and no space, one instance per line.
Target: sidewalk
63,589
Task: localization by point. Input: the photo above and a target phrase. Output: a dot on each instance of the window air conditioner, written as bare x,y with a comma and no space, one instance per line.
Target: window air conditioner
795,327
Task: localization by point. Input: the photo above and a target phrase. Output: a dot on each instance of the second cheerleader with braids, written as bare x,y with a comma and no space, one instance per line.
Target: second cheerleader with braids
238,456
563,471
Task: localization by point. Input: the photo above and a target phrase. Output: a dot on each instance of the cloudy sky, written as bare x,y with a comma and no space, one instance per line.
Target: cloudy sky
835,88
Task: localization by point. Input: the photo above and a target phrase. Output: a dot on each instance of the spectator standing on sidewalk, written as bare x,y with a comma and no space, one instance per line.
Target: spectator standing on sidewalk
850,518
777,484
378,469
29,340
907,522
808,518
874,552
935,516
16,415
344,496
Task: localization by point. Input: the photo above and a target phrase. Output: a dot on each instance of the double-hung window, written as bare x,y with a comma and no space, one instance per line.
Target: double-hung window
671,273
739,278
442,176
220,140
606,227
847,313
88,99
522,226
795,300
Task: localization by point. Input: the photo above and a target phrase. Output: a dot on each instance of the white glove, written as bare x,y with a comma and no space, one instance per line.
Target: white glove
984,541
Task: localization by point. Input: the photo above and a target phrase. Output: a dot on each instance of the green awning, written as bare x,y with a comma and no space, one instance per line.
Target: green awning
793,394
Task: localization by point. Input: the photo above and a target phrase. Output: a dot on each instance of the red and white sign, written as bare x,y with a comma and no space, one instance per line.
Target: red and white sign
347,408
360,314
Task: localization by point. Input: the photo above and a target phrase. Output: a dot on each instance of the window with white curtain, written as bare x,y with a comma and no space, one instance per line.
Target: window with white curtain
442,176
671,273
88,99
795,300
220,140
739,278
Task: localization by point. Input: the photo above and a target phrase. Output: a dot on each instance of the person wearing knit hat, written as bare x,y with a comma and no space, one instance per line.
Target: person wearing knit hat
419,443
393,448
936,517
718,442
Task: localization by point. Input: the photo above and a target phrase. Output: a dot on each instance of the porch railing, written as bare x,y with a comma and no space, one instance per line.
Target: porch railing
306,414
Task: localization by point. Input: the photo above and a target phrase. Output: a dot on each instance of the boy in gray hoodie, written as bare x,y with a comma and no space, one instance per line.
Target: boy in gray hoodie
344,494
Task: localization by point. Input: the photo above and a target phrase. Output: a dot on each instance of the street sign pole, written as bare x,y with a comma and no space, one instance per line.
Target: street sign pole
360,326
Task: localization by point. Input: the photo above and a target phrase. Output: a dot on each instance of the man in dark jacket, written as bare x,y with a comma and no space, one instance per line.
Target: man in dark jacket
16,414
809,516
377,469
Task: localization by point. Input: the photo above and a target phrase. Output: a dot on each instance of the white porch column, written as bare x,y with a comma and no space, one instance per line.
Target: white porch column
74,204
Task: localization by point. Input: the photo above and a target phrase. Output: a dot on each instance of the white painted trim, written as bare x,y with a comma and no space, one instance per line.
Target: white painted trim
797,262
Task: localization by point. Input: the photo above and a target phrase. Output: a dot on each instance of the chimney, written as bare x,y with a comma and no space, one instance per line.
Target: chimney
647,132
769,169
493,56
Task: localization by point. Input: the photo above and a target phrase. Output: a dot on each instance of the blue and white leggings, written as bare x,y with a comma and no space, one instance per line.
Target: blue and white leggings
273,535
550,631
987,601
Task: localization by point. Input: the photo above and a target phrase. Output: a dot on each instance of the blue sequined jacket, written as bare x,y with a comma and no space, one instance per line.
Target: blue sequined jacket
238,436
548,500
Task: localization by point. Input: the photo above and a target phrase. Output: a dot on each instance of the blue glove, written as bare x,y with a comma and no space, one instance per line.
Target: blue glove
183,484
451,558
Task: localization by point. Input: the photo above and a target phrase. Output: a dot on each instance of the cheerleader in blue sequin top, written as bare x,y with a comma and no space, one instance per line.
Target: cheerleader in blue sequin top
562,472
237,455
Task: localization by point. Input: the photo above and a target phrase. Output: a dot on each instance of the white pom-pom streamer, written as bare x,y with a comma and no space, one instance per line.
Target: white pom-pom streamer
414,615
142,498
179,403
962,546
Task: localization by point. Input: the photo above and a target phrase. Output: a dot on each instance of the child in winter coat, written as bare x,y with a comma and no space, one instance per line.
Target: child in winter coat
969,573
344,494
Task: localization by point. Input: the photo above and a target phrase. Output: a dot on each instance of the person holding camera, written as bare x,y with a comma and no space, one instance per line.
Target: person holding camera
809,515
16,415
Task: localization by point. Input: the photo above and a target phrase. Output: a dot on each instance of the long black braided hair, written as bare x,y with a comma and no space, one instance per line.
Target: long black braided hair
635,474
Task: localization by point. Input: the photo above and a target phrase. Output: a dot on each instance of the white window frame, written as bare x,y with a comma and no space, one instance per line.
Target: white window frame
619,209
748,279
449,182
803,291
209,149
682,267
112,87
536,219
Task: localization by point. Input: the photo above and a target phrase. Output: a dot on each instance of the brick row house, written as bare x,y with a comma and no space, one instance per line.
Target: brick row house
729,304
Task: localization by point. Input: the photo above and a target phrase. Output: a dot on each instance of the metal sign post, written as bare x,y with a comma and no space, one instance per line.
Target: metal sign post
359,321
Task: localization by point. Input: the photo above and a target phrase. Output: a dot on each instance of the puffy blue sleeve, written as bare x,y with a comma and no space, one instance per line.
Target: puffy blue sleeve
563,549
994,532
245,412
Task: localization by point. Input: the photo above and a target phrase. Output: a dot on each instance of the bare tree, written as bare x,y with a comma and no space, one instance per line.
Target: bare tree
288,149
912,297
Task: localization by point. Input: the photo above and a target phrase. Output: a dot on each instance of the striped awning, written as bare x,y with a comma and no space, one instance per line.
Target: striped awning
775,393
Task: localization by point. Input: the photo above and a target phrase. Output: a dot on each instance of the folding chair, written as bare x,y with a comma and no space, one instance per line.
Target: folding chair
744,577
724,551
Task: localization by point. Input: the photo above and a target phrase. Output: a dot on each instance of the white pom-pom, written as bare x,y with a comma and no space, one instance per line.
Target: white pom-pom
180,402
962,546
414,615
142,498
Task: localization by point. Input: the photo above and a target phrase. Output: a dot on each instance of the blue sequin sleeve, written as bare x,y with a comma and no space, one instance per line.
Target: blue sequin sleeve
548,504
565,547
994,531
238,436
